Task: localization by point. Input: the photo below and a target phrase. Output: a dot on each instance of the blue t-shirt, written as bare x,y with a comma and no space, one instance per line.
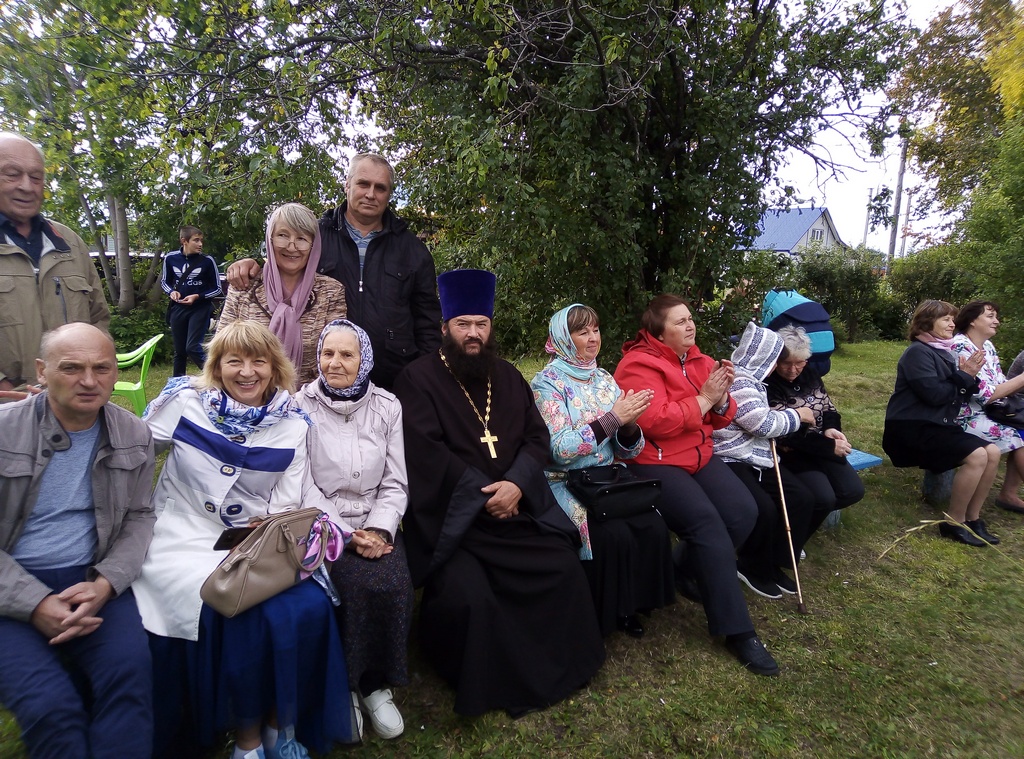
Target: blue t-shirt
61,530
362,243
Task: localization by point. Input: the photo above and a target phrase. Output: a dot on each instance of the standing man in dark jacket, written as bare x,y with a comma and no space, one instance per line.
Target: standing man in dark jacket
389,277
191,280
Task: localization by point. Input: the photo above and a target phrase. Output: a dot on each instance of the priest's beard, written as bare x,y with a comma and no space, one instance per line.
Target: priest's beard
469,367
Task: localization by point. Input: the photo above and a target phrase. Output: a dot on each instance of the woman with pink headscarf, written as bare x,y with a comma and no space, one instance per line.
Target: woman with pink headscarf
290,298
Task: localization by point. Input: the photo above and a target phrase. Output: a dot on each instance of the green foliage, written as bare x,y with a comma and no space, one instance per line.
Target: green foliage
133,329
889,318
947,86
125,125
993,236
729,311
600,153
938,272
846,283
614,153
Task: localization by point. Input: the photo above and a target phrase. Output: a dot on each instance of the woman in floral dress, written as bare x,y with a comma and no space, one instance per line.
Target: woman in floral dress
592,422
976,324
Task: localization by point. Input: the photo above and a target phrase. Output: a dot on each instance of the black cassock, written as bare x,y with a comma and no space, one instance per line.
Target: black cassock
506,616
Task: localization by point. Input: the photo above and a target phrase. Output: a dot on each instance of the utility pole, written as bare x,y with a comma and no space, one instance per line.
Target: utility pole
906,221
896,202
867,217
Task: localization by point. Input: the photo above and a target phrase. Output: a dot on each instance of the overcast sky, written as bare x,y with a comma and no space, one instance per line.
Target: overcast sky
846,197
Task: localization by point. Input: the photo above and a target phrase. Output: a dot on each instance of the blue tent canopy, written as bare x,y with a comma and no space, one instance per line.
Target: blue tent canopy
784,307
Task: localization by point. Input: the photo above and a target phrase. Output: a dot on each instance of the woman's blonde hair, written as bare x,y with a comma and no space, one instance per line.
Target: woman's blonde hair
251,340
296,217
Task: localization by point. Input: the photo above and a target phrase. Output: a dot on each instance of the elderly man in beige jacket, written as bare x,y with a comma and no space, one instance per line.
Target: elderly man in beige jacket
46,275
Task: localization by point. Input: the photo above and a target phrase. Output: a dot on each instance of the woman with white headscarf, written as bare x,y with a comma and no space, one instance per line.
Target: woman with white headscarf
357,475
290,297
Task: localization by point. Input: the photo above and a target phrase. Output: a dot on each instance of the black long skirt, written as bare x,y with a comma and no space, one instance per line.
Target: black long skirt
930,446
508,621
632,567
374,617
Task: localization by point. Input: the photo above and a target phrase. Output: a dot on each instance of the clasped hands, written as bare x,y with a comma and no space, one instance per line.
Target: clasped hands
504,500
72,612
631,405
843,446
370,545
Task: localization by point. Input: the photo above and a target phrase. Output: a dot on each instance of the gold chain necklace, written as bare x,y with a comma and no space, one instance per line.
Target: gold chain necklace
488,439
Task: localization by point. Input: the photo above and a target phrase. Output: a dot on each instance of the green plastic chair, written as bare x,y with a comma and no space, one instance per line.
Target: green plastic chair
136,391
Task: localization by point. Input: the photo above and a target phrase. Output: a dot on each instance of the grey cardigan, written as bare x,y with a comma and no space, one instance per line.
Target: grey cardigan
122,480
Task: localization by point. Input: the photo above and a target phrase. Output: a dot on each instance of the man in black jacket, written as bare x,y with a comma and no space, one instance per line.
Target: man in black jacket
388,274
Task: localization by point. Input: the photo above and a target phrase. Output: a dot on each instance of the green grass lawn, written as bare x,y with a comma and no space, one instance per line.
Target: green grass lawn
913,654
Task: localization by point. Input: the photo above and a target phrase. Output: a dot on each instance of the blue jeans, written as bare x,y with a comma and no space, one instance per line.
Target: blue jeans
40,683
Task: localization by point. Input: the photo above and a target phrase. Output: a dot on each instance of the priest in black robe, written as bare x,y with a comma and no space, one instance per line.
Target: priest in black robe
506,616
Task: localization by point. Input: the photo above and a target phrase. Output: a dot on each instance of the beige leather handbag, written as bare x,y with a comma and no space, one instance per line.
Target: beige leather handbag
266,563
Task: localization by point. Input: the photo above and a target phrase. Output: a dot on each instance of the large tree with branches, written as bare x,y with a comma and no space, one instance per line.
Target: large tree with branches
596,151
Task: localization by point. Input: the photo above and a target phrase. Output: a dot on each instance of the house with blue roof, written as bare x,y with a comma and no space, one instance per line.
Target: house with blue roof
790,230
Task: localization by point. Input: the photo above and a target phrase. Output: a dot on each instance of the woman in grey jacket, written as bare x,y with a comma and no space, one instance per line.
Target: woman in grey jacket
357,475
921,427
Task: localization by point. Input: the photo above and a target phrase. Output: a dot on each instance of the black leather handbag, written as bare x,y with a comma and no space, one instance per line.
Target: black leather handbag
612,492
1008,411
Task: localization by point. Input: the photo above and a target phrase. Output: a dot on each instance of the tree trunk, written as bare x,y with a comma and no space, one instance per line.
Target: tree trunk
101,248
119,222
151,282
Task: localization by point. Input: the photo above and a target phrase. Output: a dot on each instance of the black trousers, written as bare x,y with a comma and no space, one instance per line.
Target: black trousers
834,485
767,547
189,325
712,513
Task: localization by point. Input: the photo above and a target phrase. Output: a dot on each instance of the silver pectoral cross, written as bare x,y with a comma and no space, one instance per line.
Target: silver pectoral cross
489,440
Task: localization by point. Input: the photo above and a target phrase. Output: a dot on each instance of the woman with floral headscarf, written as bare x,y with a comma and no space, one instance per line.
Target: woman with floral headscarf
357,475
628,561
290,298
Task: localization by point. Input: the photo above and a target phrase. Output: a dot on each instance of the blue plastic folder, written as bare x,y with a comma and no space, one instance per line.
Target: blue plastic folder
861,460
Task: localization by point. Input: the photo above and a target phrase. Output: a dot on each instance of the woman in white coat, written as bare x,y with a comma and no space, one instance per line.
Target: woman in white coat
357,475
238,453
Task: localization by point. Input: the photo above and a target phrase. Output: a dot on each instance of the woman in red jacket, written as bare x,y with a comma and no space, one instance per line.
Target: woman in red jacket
702,501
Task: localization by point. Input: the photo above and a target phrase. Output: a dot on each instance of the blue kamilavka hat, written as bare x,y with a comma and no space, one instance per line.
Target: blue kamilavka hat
466,292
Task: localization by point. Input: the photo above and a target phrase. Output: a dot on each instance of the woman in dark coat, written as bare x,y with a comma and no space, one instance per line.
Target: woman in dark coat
921,427
817,453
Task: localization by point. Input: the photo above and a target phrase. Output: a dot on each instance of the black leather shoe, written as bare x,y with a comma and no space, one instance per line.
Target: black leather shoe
960,535
687,587
753,655
631,626
981,530
686,584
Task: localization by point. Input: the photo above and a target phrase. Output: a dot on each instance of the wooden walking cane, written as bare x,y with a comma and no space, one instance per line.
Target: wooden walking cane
789,533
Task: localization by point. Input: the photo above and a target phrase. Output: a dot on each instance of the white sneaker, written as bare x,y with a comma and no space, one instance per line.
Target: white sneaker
384,715
359,715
